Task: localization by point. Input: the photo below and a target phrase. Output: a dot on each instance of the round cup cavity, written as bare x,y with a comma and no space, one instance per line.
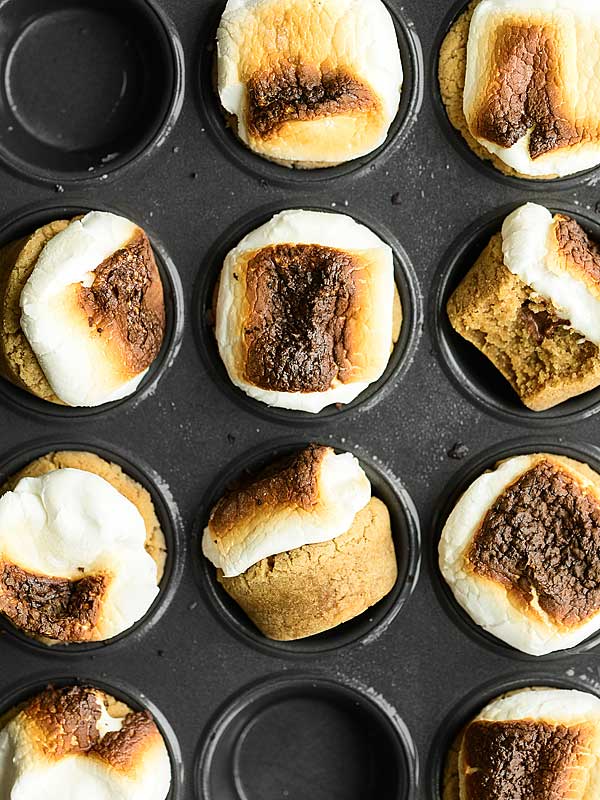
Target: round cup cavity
86,88
135,699
471,705
26,222
472,470
456,139
470,371
306,736
400,359
231,146
369,625
170,522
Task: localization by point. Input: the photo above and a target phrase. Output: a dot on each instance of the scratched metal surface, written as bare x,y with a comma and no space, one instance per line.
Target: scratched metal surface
190,194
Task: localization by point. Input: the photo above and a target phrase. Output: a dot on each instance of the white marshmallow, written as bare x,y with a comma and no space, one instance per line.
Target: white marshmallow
343,490
484,600
526,244
578,22
70,519
360,33
71,358
26,774
301,227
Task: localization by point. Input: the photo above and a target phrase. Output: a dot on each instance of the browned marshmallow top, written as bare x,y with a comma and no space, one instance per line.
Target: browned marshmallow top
541,539
524,759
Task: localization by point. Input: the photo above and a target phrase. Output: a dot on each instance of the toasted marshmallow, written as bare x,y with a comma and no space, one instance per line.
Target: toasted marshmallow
514,549
71,537
533,743
93,309
532,84
555,257
313,498
313,82
305,310
66,743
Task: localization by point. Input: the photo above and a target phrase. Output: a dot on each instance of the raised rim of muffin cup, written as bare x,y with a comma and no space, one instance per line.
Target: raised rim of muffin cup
213,115
473,702
26,221
166,39
453,491
469,370
363,629
218,756
401,357
461,147
19,692
168,516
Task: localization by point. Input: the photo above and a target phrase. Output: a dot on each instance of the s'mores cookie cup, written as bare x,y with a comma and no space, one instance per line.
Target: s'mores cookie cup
531,304
520,552
309,83
82,314
532,744
82,551
520,80
303,547
307,311
80,742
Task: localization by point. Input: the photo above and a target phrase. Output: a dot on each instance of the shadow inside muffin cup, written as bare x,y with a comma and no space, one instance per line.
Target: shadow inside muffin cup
89,88
170,523
362,629
400,359
21,692
25,222
486,461
469,369
215,117
458,142
331,739
448,735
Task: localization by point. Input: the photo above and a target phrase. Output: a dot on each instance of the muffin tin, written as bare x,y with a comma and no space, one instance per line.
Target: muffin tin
365,711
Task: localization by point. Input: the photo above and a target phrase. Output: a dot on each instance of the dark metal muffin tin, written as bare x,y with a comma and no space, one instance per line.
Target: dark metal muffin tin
364,712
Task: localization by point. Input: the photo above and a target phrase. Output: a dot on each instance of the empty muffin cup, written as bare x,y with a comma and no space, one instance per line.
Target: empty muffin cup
447,70
80,615
470,371
270,226
114,366
442,768
332,739
223,131
535,637
129,744
289,634
88,88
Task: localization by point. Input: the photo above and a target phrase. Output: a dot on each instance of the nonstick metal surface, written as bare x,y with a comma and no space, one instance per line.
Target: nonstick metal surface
366,712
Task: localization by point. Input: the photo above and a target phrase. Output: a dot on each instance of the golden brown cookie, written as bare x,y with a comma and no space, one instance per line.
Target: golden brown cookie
319,586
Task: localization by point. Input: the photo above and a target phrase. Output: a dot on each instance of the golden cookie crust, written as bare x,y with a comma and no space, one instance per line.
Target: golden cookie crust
486,310
316,587
111,472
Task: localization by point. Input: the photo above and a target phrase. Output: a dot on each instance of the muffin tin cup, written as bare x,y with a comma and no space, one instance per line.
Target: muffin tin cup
369,625
456,139
87,89
475,701
20,692
26,222
301,736
400,360
236,151
472,470
470,371
170,522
